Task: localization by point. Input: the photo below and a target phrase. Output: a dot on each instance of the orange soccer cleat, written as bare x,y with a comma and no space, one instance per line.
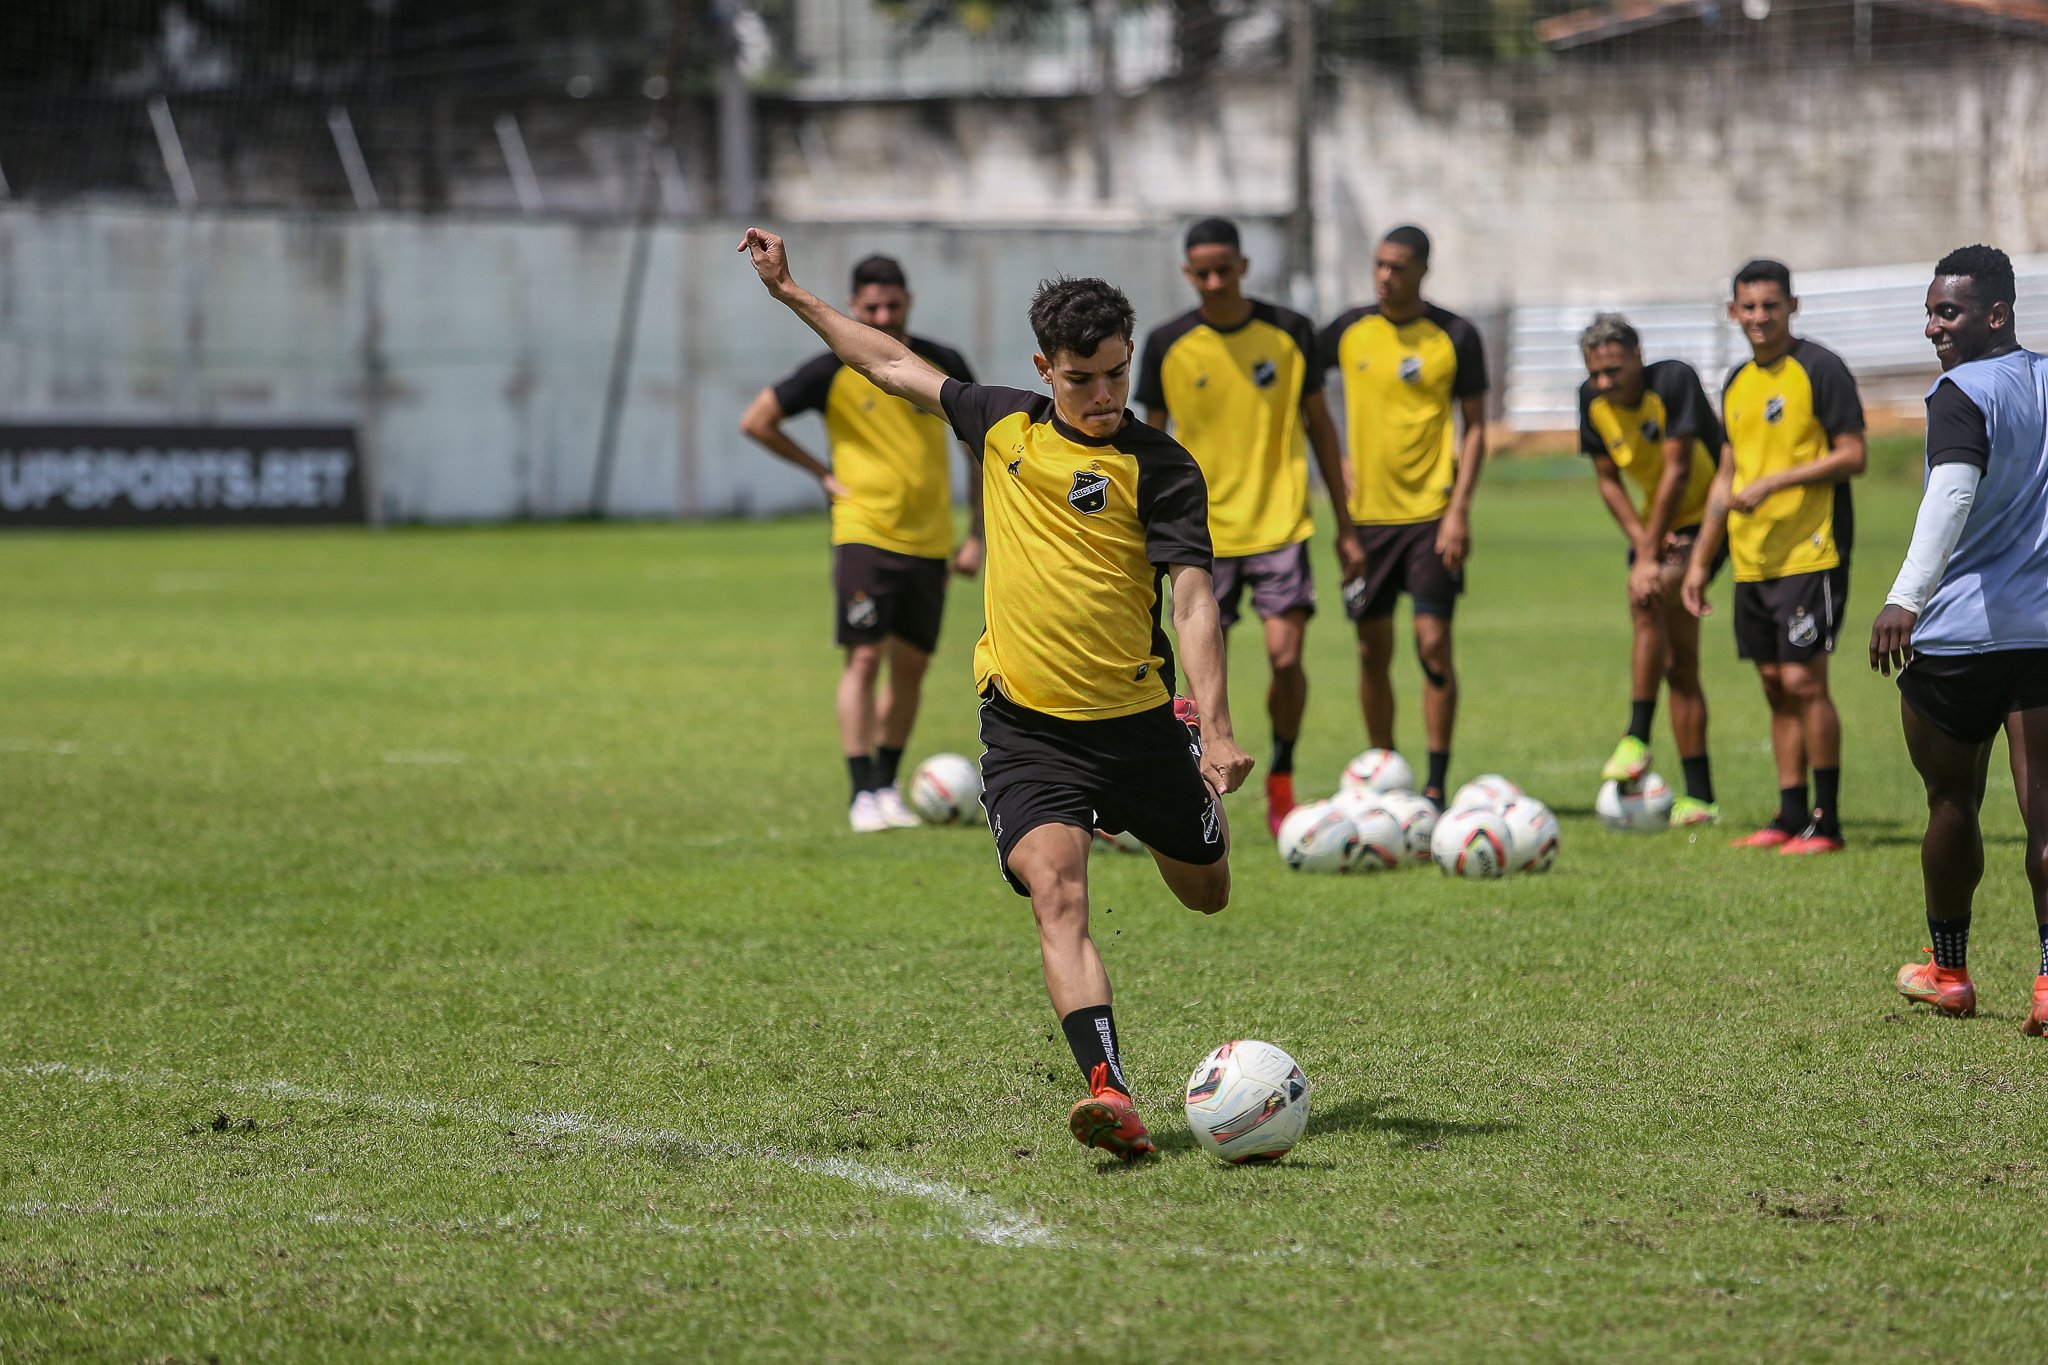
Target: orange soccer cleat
1770,836
1107,1119
1948,989
1279,799
2037,1019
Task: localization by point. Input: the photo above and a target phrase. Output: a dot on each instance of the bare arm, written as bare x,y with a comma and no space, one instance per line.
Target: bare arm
1329,452
1713,531
1664,503
1615,494
762,423
1846,459
1454,539
886,362
1200,637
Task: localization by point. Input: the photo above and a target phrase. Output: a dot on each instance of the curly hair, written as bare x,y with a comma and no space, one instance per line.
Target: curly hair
1077,315
1609,329
1985,266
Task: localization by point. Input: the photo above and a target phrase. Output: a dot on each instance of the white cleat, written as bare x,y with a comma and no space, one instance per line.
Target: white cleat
866,815
895,814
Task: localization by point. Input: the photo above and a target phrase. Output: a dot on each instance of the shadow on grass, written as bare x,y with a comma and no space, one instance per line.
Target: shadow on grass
1421,1134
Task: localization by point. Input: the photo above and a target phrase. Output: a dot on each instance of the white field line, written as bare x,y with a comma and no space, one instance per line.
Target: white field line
983,1220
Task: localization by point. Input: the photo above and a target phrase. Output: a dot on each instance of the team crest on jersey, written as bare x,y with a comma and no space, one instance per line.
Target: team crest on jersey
1411,369
862,613
1774,410
1804,630
1264,373
1090,493
1143,669
1651,431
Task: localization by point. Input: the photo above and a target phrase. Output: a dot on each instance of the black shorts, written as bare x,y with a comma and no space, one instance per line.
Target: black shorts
1968,696
882,593
1402,559
1790,620
1279,579
1678,552
1135,773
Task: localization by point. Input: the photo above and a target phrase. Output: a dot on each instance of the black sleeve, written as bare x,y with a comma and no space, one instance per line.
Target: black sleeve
1956,429
945,357
1150,390
973,408
1470,381
806,389
1836,404
1304,333
1173,504
1590,442
1686,412
1330,341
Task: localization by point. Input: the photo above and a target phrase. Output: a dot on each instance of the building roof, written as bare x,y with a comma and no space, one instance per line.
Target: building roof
1602,23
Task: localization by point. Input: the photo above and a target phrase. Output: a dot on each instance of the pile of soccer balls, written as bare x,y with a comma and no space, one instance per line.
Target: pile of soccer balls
1377,822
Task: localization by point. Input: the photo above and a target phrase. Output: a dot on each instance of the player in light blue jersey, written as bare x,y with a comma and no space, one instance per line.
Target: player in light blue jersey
1966,624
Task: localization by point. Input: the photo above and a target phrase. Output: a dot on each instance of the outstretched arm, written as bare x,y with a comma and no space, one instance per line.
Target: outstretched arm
1195,626
890,365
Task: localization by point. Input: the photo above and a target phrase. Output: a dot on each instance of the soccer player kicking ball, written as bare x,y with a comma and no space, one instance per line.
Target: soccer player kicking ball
1412,374
892,535
1965,625
1652,423
1237,378
1087,510
1794,434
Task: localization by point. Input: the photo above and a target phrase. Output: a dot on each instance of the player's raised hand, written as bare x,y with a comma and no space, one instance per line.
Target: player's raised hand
1891,639
771,260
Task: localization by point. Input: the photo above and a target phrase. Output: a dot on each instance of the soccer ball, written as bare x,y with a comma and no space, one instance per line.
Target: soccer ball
1248,1101
1471,843
1357,802
1318,838
1642,806
1532,835
1379,770
1125,842
1382,843
1417,818
946,790
1490,790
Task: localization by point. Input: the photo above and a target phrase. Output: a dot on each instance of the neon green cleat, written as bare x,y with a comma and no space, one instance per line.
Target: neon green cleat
1630,761
1690,810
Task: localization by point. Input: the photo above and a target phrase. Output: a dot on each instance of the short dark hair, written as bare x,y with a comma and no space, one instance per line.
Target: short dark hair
878,270
1214,232
1764,271
1077,315
1985,266
1609,329
1412,237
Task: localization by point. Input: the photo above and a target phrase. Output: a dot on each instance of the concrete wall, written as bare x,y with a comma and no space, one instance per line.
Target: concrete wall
473,354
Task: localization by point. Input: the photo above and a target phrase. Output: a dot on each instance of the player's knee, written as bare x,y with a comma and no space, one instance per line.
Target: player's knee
1207,894
864,661
1287,669
1059,900
1435,658
2037,865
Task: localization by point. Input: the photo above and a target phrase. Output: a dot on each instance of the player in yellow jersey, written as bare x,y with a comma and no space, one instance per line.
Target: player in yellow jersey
892,534
1237,378
1414,381
1794,427
1088,510
1652,424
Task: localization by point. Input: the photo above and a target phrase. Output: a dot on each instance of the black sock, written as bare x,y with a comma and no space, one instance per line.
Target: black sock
1699,779
1827,790
2044,947
1283,755
1091,1033
860,769
1640,714
1439,770
887,761
1793,812
1951,942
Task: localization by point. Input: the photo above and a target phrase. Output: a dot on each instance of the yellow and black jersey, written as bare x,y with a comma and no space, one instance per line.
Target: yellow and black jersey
1780,416
1402,381
888,455
1234,395
1673,408
1079,529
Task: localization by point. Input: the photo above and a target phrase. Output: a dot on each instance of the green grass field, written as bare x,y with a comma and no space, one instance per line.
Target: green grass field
449,944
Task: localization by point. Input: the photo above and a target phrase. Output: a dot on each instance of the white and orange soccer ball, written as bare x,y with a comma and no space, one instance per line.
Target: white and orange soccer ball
1382,845
1472,842
1417,819
1490,790
1379,770
1532,834
1318,837
1247,1101
1642,806
946,790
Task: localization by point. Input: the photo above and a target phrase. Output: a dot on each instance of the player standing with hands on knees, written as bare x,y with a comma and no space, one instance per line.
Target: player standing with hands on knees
892,535
1087,510
1965,625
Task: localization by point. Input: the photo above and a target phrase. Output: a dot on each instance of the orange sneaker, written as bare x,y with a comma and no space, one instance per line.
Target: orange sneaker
1948,989
1770,836
2037,1021
1811,840
1279,799
1107,1119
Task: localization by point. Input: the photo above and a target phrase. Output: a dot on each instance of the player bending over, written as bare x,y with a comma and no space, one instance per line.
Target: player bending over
1652,423
1238,379
892,534
1966,622
1087,510
1780,500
